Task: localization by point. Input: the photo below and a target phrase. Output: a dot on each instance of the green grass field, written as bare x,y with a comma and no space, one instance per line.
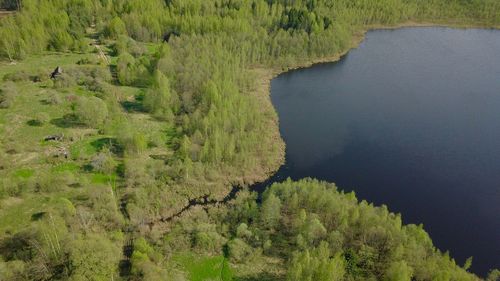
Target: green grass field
205,268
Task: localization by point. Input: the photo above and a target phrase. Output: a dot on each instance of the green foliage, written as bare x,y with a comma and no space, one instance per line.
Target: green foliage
329,235
131,71
91,111
93,258
494,275
271,211
239,251
103,162
206,268
316,265
185,119
158,99
115,28
399,271
7,94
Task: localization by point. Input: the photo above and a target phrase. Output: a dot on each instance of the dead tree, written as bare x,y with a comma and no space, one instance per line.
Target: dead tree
58,137
169,35
56,72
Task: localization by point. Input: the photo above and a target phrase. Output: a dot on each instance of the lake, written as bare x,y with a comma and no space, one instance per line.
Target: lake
410,119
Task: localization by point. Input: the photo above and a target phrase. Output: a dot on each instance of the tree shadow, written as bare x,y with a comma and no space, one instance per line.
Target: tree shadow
67,121
111,143
136,105
34,123
132,106
38,216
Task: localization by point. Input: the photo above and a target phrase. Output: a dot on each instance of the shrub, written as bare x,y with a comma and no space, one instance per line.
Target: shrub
64,80
115,28
103,162
18,76
91,111
53,99
7,93
239,251
125,67
91,59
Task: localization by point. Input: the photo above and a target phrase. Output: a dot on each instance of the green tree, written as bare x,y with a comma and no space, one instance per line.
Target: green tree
399,271
158,98
115,28
93,258
91,111
271,211
316,265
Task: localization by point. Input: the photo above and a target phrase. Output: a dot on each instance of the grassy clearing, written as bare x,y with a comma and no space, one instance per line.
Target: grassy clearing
47,60
36,175
18,213
205,268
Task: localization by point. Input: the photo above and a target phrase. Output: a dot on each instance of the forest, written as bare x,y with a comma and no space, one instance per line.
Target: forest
123,165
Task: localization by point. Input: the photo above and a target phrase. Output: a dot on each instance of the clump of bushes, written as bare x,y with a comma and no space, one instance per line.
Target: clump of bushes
39,75
104,162
64,80
92,59
115,28
53,99
90,111
7,93
17,76
126,44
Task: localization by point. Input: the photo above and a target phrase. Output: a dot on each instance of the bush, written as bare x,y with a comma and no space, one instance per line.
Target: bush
158,99
91,59
64,80
91,111
52,183
18,76
239,251
115,28
103,162
125,67
7,93
53,99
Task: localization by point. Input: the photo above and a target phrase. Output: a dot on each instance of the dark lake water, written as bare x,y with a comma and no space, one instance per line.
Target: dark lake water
410,119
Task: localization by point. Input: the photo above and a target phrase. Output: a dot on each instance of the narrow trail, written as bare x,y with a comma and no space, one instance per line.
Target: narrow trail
4,13
101,53
125,265
96,42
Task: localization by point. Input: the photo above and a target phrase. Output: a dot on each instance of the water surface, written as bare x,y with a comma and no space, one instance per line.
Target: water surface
410,119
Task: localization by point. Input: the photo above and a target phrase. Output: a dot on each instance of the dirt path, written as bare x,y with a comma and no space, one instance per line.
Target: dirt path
102,55
4,13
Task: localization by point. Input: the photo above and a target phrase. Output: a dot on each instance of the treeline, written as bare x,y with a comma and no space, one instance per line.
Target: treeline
59,25
46,25
10,4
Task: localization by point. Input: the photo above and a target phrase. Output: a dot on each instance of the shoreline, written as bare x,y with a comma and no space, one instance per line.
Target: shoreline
358,37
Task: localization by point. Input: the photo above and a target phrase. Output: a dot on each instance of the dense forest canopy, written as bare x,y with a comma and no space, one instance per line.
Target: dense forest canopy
161,103
10,4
